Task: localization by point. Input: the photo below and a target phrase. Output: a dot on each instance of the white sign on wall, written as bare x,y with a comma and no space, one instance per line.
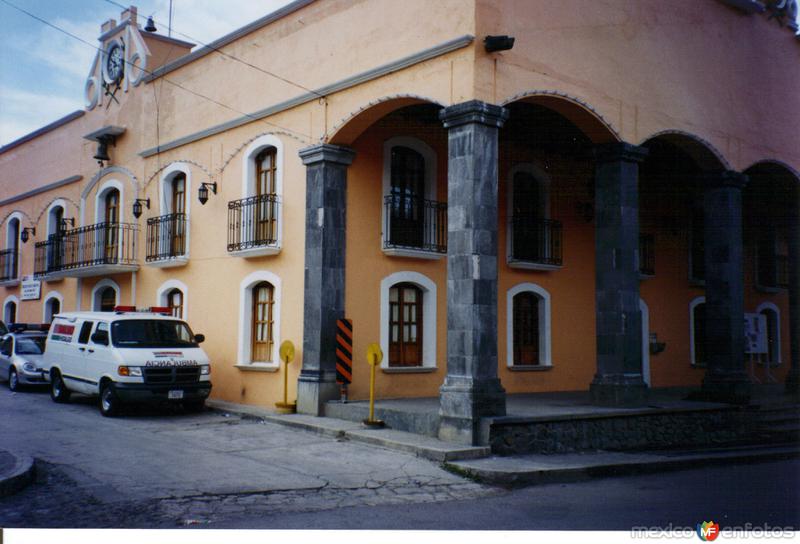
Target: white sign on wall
31,289
755,333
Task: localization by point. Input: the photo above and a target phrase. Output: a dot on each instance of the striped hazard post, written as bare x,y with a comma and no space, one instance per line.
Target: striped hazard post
344,354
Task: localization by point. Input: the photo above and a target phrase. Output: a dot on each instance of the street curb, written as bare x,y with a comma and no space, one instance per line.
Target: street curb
524,478
21,474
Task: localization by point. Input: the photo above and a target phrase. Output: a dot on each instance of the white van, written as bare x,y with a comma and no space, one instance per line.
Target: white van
126,356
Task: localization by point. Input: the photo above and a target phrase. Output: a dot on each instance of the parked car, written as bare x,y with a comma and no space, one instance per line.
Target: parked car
126,356
21,357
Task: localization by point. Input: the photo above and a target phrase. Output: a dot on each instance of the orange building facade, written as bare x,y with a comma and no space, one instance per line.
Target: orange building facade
597,205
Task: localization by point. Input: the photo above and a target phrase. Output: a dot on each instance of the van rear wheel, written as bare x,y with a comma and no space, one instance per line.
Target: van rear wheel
109,403
58,390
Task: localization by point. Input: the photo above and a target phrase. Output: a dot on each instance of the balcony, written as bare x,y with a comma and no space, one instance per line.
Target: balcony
93,250
534,243
254,226
414,227
166,240
647,255
9,267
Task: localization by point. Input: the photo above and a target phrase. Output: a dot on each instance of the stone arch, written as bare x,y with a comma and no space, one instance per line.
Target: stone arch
353,125
703,152
125,173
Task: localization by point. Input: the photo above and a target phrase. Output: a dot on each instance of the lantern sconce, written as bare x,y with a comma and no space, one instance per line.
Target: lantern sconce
26,233
137,206
202,193
67,221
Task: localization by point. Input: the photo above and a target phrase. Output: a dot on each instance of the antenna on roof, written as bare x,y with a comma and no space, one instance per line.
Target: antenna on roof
170,18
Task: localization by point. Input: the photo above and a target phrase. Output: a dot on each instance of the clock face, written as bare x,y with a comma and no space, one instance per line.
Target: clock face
115,62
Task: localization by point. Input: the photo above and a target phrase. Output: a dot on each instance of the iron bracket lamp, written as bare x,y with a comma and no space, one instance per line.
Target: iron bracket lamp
498,43
202,193
67,221
137,206
26,233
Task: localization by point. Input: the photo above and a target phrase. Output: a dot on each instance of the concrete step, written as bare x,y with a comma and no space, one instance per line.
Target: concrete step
421,446
536,469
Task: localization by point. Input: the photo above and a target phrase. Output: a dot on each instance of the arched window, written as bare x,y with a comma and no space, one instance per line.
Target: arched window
111,215
405,325
10,312
55,237
177,239
406,197
262,322
697,319
528,327
175,302
265,218
108,299
773,318
51,308
9,258
534,240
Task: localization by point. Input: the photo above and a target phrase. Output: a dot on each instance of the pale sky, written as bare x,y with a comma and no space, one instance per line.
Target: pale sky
43,71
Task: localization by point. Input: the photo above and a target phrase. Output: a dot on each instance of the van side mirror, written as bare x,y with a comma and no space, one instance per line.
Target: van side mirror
100,337
199,338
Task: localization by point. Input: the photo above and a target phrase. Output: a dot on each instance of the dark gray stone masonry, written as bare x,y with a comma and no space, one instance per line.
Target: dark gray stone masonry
471,389
326,207
726,378
618,381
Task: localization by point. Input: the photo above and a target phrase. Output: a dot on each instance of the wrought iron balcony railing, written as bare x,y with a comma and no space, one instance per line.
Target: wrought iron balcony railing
647,255
253,222
535,240
166,237
100,244
415,223
9,264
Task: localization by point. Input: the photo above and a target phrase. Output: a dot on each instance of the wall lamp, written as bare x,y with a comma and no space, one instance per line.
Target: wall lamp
67,221
26,233
498,43
137,206
202,193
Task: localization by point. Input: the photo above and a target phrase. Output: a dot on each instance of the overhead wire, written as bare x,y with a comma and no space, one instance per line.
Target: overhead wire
162,78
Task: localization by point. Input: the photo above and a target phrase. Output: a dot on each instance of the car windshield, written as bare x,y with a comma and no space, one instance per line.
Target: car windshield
30,345
152,333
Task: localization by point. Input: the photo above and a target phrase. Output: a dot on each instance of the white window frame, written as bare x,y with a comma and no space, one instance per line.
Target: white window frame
99,200
546,182
430,182
98,287
51,228
773,307
545,327
164,290
249,188
45,310
692,305
244,353
165,208
429,320
11,299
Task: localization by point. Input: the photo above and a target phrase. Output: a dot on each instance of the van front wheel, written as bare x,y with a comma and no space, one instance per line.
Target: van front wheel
109,403
58,390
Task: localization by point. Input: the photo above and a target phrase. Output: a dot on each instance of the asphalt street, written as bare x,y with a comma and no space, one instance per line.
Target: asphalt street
162,468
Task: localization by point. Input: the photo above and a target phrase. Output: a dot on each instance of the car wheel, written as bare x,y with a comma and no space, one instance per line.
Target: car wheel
195,405
13,380
58,390
109,403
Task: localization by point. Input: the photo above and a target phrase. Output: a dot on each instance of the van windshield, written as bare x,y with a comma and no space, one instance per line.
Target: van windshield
152,333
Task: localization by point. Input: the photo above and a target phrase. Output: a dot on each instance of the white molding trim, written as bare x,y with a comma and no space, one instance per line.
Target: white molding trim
645,341
9,299
244,356
166,287
99,286
47,298
545,323
429,317
165,187
11,217
541,177
772,306
100,205
249,187
695,302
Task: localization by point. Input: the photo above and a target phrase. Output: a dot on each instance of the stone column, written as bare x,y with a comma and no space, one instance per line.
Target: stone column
471,389
618,381
326,207
726,378
793,379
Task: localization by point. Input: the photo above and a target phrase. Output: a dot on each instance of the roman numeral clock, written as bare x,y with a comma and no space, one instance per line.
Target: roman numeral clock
120,63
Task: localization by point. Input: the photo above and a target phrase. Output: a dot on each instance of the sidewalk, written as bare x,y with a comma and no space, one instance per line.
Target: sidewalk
15,472
478,463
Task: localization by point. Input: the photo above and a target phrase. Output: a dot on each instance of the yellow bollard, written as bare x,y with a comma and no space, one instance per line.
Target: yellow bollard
287,355
374,358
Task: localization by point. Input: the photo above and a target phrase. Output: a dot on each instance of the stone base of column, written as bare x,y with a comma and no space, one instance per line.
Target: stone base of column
314,389
463,402
629,391
728,388
793,381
